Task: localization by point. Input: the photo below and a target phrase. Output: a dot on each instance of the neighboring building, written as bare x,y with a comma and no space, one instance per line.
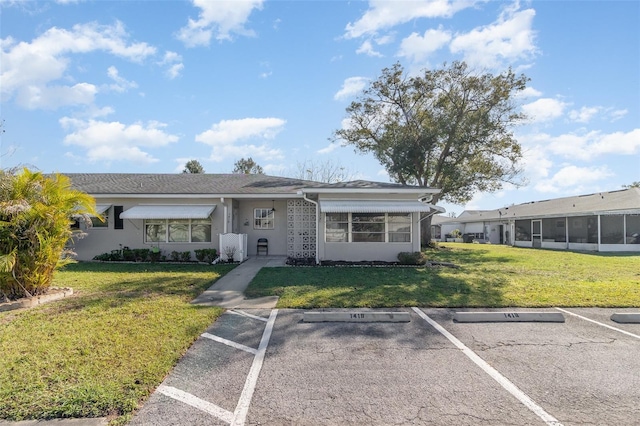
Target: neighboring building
349,221
604,221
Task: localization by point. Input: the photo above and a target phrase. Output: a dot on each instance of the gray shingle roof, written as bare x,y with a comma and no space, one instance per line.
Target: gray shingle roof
203,183
600,202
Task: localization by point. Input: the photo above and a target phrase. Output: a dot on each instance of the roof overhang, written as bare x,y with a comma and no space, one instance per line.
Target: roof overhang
168,212
408,190
371,206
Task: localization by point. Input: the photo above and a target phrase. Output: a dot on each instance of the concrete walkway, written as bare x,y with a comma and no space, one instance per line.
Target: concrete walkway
228,291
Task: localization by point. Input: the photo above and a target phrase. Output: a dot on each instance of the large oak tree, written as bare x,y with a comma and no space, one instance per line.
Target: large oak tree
448,128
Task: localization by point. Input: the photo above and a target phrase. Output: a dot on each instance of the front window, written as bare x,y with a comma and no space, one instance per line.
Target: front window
156,231
337,228
368,227
177,231
263,218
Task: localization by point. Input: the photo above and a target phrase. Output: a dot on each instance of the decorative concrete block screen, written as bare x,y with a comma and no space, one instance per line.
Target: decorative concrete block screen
301,229
235,244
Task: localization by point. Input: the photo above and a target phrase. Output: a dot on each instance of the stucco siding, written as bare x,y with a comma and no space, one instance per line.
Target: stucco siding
277,236
104,240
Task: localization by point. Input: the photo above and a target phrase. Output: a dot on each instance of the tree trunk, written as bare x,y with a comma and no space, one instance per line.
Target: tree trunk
425,229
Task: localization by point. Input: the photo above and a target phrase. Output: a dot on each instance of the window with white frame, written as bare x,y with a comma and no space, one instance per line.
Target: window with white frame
368,227
337,228
177,230
263,218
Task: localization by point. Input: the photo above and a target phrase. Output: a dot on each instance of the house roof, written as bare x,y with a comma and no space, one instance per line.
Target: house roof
620,201
218,184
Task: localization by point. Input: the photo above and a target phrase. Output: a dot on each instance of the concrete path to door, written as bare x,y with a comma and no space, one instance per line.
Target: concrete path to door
228,291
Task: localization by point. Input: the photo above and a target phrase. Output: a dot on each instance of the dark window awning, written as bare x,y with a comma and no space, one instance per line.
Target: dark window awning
168,212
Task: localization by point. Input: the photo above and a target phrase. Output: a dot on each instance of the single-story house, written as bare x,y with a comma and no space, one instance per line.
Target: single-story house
603,221
349,221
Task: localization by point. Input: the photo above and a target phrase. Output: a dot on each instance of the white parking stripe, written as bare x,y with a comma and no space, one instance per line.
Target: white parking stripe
230,343
196,402
599,323
503,381
248,315
240,414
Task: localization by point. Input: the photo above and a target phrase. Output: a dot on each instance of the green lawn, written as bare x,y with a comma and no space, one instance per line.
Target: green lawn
489,276
102,351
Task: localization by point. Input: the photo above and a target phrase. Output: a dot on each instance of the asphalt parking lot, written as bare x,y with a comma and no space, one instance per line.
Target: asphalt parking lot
269,367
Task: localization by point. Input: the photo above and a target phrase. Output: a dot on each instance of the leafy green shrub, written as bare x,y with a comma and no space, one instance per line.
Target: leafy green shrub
409,258
105,257
141,255
175,256
128,254
206,255
36,212
155,254
185,256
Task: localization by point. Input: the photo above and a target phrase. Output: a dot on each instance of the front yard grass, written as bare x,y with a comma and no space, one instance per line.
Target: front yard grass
105,349
489,276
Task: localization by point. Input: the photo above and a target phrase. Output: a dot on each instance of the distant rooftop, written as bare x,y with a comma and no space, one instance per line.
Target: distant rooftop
599,202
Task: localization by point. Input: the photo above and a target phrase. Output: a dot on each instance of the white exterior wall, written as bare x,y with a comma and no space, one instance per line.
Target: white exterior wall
277,236
354,252
104,240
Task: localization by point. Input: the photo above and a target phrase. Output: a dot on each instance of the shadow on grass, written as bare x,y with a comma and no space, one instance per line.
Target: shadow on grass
102,285
375,287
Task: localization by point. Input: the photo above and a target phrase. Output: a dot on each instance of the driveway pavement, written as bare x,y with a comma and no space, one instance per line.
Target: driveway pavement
267,366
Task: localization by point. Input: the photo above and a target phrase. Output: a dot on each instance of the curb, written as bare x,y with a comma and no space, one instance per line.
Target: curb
356,317
29,302
97,421
626,318
508,317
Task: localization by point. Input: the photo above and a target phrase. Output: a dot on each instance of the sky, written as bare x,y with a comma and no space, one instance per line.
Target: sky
145,86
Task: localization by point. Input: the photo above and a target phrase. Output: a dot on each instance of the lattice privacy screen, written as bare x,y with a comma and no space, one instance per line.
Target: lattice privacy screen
301,229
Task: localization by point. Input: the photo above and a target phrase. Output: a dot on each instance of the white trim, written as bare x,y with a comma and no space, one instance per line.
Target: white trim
418,190
374,206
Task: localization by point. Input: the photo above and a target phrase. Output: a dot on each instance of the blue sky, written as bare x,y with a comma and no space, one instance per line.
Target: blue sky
144,86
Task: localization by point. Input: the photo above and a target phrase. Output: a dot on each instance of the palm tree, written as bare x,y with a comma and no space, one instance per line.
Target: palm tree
36,214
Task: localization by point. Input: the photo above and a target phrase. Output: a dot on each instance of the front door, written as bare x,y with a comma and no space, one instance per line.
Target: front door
536,233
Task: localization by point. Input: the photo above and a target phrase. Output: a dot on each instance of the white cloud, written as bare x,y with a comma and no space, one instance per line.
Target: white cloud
351,87
367,48
544,109
384,14
618,114
535,162
575,177
528,92
417,48
584,114
120,83
174,71
29,68
507,40
584,146
223,136
174,63
329,148
222,17
114,141
53,97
